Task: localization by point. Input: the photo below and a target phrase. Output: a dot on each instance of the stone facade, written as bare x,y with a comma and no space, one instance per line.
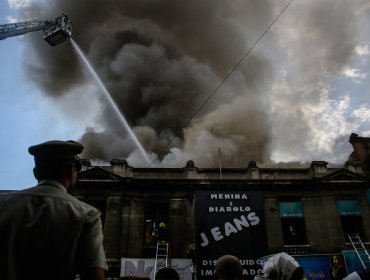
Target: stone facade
123,193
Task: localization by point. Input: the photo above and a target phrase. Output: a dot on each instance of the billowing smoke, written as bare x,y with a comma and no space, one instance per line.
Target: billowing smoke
161,60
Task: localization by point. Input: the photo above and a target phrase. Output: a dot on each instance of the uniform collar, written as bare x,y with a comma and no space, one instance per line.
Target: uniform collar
52,183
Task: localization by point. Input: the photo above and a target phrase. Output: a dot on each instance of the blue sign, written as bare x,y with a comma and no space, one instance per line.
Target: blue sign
292,209
349,207
323,267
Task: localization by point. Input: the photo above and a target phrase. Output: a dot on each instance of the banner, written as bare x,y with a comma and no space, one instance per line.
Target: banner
145,267
229,222
323,267
353,262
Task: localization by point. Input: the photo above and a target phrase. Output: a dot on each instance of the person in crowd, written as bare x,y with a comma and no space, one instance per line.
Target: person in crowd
167,273
281,266
228,267
46,233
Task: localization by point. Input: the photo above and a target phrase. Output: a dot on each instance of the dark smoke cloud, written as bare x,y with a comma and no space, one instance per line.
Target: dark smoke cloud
161,59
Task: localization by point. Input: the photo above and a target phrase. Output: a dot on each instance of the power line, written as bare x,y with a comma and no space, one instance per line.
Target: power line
225,78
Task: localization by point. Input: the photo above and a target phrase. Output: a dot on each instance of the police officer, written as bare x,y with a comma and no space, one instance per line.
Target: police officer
45,233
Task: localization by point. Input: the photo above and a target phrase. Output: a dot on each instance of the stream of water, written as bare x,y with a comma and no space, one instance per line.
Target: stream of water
110,100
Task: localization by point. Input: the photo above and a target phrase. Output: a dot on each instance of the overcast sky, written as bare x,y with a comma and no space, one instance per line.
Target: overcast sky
297,97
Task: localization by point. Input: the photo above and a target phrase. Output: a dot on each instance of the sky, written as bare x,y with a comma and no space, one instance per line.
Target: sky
296,97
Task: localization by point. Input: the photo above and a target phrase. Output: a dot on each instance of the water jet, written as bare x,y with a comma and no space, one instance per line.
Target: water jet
110,100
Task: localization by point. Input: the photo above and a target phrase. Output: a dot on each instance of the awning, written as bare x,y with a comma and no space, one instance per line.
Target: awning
349,207
292,209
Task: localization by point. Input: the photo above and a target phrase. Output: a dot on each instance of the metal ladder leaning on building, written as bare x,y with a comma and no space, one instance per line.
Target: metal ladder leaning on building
360,249
161,257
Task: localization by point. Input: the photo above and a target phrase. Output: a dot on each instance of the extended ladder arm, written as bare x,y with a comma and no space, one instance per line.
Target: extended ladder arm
20,28
55,31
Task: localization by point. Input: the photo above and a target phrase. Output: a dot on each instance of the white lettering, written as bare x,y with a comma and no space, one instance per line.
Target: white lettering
204,239
230,208
229,228
209,262
228,196
216,233
242,222
206,272
255,220
252,271
238,223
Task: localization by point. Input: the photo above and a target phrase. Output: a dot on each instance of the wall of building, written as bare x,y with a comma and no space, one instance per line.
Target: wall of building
126,192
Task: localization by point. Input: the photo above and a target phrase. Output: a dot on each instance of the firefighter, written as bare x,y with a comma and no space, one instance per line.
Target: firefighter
161,233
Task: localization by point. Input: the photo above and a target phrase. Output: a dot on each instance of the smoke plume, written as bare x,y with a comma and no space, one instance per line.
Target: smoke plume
160,60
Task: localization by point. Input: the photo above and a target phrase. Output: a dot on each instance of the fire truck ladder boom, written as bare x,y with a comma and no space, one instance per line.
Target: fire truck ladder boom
20,28
55,31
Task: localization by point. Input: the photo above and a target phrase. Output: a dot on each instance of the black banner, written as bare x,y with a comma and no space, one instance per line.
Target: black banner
229,222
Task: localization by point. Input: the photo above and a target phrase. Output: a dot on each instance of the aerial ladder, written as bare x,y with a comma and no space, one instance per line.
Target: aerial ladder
55,31
161,258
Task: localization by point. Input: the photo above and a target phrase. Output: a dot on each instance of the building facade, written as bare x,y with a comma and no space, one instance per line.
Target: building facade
306,210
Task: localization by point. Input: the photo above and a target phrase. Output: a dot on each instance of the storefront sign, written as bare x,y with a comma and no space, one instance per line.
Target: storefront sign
322,267
349,207
229,222
292,209
145,267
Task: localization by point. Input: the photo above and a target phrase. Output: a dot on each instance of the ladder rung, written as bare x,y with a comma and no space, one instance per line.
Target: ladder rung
161,256
360,249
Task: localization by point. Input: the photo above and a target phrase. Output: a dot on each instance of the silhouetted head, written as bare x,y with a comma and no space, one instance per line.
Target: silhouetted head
167,273
228,267
56,160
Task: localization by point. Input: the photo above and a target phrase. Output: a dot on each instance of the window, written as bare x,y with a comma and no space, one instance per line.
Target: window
155,226
294,231
352,226
351,218
292,221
